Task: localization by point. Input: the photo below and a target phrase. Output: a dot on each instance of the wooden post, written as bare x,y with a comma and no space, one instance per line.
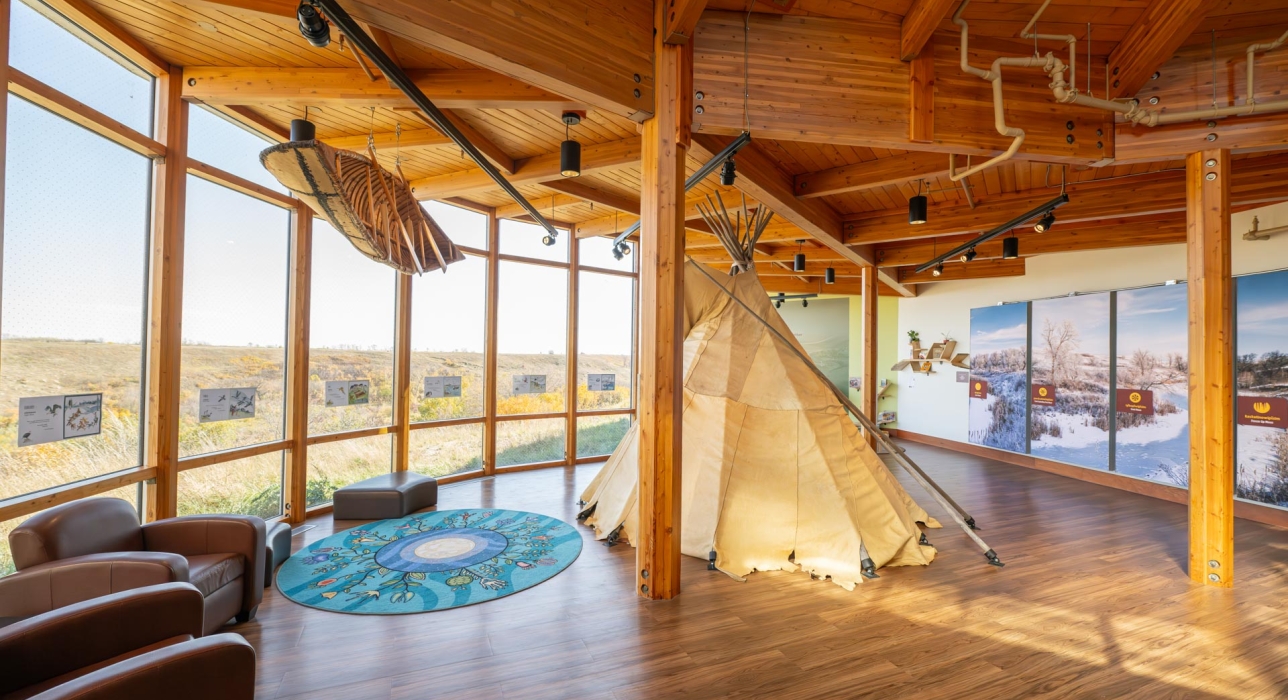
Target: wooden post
489,343
402,373
295,470
165,297
868,386
573,285
1211,332
921,95
5,9
664,145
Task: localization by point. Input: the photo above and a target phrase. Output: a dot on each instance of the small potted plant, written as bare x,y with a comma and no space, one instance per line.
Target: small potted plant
949,346
914,342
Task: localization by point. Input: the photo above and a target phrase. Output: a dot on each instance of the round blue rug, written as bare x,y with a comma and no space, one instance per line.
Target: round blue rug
429,561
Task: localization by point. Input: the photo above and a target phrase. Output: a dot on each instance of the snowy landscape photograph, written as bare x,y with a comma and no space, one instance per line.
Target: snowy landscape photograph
1151,361
1071,354
1261,321
999,359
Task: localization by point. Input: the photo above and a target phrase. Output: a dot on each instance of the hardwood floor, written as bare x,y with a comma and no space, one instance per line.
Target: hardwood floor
1093,602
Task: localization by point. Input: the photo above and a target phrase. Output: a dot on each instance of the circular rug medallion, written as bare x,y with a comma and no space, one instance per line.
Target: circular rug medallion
430,561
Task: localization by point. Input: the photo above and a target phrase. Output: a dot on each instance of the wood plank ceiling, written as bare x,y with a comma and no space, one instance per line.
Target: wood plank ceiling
225,34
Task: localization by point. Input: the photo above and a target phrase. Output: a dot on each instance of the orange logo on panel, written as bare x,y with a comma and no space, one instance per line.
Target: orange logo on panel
978,386
1042,391
1261,407
1135,397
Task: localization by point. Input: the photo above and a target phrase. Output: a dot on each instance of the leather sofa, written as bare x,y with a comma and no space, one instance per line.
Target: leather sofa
95,547
141,644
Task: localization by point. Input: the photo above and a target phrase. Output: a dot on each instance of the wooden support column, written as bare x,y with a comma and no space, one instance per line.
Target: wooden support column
402,373
574,279
868,387
295,469
921,96
1211,332
489,343
165,297
664,144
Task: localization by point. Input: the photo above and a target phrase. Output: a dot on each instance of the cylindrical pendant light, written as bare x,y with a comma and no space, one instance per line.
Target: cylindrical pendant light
829,275
798,264
569,150
303,130
917,207
1010,248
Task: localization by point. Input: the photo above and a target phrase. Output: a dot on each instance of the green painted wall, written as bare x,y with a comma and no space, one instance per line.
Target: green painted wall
887,347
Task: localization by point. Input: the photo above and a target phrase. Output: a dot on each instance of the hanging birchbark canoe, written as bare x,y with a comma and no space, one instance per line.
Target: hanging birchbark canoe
372,207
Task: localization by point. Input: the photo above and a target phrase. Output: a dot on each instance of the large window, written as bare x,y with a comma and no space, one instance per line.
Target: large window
336,464
214,140
351,334
465,228
127,493
605,339
448,331
524,240
450,449
532,339
75,275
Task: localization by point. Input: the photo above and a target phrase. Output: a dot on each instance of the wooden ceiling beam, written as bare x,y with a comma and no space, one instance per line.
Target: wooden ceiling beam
612,223
1254,133
813,268
680,19
1256,181
350,87
815,285
867,175
90,20
41,95
1123,232
1157,34
594,52
528,171
957,271
628,203
410,138
920,23
255,121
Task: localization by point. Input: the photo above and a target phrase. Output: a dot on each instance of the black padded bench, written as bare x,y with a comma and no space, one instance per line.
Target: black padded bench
392,495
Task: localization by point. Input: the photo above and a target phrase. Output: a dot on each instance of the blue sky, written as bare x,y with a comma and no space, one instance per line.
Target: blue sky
994,328
1089,314
1262,310
1155,318
75,266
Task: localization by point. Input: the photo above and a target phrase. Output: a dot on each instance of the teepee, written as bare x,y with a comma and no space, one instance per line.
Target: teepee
775,474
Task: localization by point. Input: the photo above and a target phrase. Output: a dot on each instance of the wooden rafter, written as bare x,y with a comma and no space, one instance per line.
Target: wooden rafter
956,271
920,23
866,175
528,171
1155,36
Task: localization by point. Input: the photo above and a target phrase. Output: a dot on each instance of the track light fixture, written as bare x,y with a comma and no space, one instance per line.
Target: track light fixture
727,173
313,26
798,264
1045,223
1010,248
939,270
778,302
917,207
804,303
570,150
829,276
968,255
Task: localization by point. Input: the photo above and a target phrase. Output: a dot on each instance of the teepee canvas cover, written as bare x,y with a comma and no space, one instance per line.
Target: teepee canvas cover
775,474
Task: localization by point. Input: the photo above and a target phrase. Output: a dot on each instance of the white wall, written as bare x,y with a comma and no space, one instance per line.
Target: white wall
937,405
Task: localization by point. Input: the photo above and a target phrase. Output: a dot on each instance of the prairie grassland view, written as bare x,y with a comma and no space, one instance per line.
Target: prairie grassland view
39,367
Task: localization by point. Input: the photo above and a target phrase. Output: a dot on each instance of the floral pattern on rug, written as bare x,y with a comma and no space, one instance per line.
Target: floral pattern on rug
429,561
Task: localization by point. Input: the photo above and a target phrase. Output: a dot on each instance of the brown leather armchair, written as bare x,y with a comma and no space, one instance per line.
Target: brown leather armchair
139,644
96,546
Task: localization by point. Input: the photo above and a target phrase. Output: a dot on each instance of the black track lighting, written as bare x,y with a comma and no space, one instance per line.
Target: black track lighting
1010,248
1045,223
570,150
917,207
621,250
548,239
829,276
939,270
804,303
313,26
727,173
798,263
968,255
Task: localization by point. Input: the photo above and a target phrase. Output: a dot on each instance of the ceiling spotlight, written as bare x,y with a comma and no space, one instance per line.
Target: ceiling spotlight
917,207
804,303
548,239
727,174
1010,248
829,275
569,150
1045,223
939,270
968,255
313,26
798,263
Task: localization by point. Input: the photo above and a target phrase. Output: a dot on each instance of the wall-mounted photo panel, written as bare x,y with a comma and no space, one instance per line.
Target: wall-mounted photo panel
1071,361
1261,416
442,387
1151,398
999,367
529,384
226,404
601,382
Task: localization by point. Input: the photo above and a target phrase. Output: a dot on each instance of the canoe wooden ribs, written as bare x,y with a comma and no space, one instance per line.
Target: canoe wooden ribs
370,206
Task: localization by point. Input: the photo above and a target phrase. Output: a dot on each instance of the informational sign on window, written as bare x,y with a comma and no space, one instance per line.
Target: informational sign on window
226,404
601,382
348,392
44,419
1138,401
979,388
1043,394
1267,411
442,387
529,384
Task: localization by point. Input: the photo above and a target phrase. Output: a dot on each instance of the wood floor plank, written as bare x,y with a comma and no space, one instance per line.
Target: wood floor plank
1093,602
